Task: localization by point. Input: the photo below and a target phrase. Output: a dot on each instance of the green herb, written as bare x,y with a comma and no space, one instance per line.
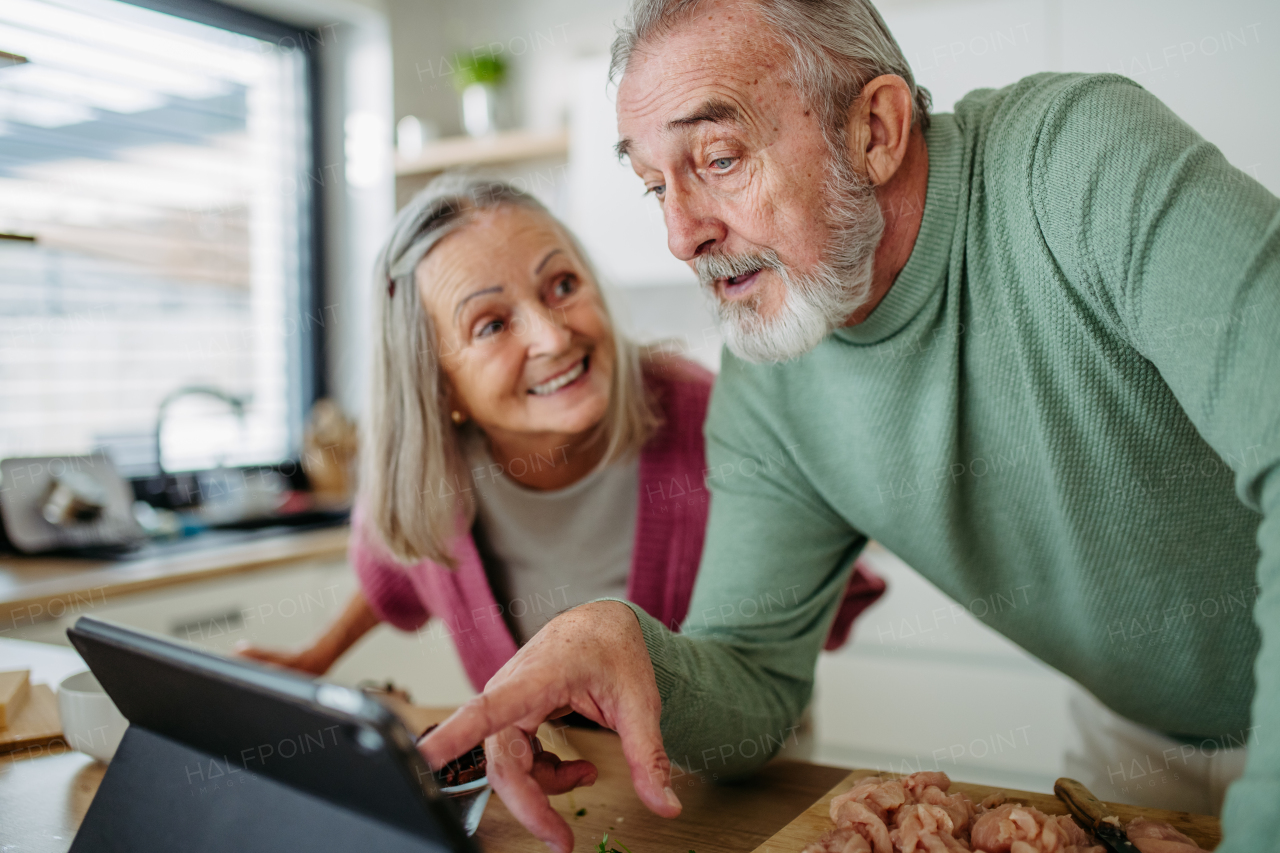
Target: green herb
580,812
604,847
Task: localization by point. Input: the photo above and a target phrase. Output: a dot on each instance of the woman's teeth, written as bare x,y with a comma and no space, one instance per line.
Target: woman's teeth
553,385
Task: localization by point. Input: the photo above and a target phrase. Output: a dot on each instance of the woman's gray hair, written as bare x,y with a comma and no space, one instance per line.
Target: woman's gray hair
414,484
837,47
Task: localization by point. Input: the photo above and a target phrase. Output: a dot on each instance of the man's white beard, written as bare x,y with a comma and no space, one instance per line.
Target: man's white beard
816,303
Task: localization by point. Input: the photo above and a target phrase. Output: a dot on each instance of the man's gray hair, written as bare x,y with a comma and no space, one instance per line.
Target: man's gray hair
837,47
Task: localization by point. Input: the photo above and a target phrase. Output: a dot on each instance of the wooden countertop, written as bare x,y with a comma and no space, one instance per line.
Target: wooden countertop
36,588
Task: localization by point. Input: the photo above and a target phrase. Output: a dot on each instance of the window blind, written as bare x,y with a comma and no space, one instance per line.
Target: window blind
155,220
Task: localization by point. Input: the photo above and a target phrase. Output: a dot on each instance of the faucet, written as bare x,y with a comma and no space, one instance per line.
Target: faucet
237,405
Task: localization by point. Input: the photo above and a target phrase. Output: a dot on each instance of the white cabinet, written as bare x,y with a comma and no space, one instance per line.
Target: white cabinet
272,607
281,608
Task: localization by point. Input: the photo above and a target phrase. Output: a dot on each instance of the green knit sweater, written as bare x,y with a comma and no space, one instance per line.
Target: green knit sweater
1065,414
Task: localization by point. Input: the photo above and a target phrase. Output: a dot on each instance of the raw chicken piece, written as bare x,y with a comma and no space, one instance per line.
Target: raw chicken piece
1150,836
917,807
925,828
840,840
915,814
882,796
858,816
990,801
917,782
1014,828
957,805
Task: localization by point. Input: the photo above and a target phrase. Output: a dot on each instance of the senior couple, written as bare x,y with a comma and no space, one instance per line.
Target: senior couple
838,225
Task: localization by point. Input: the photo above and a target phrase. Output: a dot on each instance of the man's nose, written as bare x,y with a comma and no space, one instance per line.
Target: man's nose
691,230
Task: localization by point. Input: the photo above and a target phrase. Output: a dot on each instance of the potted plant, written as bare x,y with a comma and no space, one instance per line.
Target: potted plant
477,77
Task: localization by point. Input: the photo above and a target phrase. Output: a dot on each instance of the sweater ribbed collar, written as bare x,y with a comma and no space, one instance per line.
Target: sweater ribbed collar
926,269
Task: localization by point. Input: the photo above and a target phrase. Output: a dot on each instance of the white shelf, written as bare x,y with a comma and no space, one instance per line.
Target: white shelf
508,147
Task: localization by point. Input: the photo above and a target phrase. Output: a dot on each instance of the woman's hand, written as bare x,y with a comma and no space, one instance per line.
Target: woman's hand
313,660
356,620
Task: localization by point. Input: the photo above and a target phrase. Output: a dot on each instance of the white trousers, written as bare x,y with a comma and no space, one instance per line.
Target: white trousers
1123,762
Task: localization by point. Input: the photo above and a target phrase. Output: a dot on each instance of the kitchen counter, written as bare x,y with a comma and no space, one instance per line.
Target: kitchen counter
49,795
37,588
45,791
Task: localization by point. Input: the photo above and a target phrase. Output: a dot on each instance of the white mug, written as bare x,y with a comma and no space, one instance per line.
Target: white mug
91,723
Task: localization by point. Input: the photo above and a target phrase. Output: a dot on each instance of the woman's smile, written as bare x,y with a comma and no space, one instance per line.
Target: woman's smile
564,379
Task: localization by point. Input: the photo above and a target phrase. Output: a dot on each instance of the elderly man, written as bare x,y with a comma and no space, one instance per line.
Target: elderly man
1031,347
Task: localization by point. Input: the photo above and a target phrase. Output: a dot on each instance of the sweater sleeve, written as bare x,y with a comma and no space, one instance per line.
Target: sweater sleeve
1181,252
385,583
776,562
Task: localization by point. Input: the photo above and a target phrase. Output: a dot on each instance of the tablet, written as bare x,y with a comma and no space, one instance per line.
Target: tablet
226,754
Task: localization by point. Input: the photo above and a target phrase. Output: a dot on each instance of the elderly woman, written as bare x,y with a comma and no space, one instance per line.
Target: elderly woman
522,456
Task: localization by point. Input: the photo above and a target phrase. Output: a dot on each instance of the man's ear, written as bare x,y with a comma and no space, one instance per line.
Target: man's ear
879,127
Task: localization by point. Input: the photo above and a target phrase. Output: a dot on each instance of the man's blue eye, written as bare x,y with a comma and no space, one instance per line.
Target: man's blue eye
656,190
722,162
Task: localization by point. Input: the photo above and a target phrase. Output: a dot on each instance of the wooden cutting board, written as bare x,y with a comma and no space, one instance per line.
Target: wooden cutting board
37,722
816,820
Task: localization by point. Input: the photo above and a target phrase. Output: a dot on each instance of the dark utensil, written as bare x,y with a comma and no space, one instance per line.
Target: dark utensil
1093,815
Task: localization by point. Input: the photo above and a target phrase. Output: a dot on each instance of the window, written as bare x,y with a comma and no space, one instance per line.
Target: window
156,206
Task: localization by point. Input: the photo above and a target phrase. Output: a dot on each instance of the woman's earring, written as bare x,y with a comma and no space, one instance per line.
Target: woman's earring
458,417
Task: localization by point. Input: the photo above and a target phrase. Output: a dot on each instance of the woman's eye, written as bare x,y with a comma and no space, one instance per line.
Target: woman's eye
656,190
485,330
722,163
565,287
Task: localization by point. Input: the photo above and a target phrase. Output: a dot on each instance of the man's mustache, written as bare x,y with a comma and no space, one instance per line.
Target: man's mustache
712,267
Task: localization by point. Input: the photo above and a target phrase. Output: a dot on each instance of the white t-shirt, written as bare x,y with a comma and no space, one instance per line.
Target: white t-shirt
547,551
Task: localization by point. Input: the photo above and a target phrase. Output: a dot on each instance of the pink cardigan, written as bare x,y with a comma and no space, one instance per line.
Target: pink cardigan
670,524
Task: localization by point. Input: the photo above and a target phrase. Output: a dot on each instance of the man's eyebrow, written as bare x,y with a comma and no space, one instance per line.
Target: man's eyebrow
714,110
543,262
497,288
